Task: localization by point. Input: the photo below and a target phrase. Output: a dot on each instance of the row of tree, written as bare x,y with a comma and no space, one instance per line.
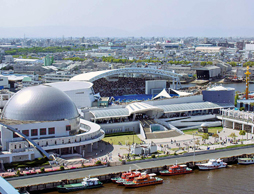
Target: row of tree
179,62
204,63
24,57
75,59
205,136
53,49
249,63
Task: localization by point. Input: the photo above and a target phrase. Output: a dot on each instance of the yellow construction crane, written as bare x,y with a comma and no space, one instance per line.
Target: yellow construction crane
247,73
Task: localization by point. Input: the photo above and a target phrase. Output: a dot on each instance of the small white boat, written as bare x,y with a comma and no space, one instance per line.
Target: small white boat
246,160
212,164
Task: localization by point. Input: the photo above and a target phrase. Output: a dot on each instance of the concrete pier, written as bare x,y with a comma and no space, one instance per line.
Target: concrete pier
51,180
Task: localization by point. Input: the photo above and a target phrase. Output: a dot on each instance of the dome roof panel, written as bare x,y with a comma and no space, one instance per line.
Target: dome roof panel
40,103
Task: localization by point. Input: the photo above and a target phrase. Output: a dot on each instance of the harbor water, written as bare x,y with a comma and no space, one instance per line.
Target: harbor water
238,86
236,179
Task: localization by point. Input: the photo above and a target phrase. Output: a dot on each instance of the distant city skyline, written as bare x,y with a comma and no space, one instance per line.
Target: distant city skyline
114,18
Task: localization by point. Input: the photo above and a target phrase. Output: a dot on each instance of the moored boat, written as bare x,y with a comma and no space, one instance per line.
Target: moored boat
212,164
246,160
176,170
129,178
123,177
87,183
143,180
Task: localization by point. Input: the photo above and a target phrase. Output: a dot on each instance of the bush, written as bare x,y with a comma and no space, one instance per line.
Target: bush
153,156
98,162
119,134
34,163
61,167
42,169
44,164
18,172
21,166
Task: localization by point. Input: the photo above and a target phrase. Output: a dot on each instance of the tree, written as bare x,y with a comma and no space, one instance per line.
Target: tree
197,142
205,136
42,169
236,98
18,173
61,167
8,67
233,64
242,133
233,135
215,135
242,109
203,63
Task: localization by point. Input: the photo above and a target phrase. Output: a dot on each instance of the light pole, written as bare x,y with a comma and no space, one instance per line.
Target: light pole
194,149
133,136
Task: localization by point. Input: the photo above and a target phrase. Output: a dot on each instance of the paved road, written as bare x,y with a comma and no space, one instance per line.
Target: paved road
48,178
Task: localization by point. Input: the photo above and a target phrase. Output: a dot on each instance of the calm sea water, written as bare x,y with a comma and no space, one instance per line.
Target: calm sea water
233,180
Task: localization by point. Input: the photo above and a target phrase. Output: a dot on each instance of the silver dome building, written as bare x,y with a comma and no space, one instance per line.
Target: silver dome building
48,117
40,103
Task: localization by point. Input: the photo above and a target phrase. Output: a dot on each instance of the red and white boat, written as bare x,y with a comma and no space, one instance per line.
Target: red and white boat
212,164
129,177
123,177
176,170
143,180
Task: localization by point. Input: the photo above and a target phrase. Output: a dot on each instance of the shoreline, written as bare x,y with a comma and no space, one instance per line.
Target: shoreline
104,173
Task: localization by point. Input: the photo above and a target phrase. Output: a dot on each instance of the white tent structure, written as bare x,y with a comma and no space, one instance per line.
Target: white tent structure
162,94
180,93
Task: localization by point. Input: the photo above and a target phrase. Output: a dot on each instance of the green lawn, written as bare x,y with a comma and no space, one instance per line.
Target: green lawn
123,138
211,130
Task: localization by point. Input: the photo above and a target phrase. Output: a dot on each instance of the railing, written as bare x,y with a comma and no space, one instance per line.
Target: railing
237,118
142,132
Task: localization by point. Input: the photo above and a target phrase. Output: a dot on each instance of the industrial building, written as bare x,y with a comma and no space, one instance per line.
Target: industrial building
206,73
210,49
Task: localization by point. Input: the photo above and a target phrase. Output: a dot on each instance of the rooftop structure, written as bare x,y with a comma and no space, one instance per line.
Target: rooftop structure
92,76
80,92
40,103
210,49
219,88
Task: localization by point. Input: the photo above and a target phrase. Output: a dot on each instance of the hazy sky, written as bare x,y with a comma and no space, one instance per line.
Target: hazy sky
55,18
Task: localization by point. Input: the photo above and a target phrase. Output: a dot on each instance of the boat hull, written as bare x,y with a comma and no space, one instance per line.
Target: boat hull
143,184
210,167
78,187
116,179
246,161
167,173
120,182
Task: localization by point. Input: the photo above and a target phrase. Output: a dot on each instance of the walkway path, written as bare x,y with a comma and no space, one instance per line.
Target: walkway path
50,177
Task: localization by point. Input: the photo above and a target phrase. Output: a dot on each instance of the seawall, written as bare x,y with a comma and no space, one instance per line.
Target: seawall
104,173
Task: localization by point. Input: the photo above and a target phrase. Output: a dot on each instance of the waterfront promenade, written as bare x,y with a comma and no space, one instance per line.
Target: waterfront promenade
80,173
